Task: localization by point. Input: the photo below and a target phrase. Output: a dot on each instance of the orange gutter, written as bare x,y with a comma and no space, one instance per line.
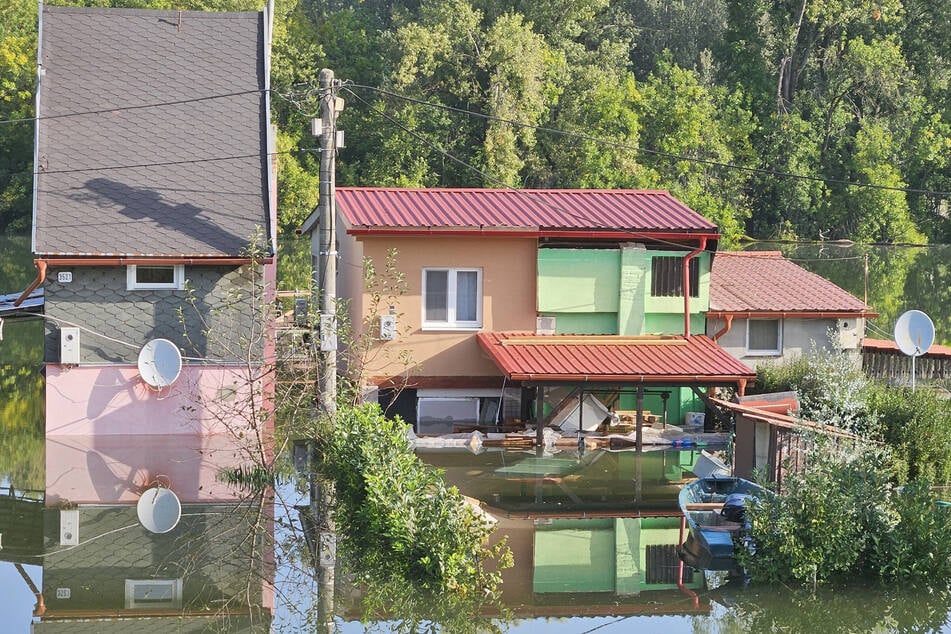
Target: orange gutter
43,263
726,327
40,608
686,273
40,278
815,314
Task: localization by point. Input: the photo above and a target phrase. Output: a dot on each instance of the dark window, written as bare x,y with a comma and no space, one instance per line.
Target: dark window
667,276
155,274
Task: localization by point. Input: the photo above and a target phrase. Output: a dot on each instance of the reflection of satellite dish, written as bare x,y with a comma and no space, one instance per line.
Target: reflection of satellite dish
159,510
160,363
914,333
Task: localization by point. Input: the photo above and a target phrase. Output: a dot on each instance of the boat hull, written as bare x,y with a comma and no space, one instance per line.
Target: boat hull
711,539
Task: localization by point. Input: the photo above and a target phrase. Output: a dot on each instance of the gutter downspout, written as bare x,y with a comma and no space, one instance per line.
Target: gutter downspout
728,323
40,278
686,272
40,608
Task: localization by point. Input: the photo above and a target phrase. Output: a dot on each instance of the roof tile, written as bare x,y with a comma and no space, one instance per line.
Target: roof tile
133,177
765,281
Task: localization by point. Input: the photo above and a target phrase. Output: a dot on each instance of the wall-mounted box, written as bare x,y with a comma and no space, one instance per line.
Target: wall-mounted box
69,346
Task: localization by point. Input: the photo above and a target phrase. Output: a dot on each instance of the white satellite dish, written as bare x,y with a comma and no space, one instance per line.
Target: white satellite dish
914,333
159,510
160,363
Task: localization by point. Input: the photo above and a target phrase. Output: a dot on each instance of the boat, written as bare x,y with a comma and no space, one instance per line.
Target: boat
714,511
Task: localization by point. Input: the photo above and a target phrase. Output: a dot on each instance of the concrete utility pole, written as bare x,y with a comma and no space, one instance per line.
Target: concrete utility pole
326,266
324,256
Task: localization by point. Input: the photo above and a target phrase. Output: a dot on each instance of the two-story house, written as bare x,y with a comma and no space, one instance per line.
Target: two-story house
153,177
517,300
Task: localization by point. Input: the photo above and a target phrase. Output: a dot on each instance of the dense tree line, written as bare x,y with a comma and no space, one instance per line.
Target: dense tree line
797,118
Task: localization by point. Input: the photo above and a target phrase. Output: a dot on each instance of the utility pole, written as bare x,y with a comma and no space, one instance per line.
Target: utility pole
325,129
324,260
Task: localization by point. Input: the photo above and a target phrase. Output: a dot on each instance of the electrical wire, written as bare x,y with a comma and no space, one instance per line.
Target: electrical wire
643,150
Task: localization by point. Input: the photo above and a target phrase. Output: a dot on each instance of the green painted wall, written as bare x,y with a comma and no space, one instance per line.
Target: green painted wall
578,280
607,291
575,556
584,323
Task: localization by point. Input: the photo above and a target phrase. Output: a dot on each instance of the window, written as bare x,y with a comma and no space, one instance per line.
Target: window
452,298
439,415
143,277
153,593
667,276
764,337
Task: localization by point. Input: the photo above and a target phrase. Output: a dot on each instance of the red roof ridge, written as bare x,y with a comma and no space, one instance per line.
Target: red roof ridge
508,190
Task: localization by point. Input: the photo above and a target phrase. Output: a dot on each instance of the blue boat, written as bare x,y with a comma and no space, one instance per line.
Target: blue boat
714,511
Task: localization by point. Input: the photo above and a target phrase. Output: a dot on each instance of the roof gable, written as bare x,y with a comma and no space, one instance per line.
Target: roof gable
766,282
374,209
152,137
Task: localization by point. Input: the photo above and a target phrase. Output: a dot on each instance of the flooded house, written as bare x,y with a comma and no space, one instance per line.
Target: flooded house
558,306
154,243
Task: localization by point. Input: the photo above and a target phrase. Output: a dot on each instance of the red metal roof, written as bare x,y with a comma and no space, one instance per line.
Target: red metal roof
766,282
595,358
370,208
887,345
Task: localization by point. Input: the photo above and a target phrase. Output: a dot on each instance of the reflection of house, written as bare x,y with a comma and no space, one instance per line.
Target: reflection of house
602,271
153,175
206,575
765,308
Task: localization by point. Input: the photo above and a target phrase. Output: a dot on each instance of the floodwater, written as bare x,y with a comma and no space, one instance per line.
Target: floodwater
593,535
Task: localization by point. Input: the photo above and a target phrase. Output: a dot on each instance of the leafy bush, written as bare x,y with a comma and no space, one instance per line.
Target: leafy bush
918,428
396,516
841,518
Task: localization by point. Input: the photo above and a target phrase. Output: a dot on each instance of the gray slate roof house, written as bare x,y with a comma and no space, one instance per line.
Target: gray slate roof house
153,136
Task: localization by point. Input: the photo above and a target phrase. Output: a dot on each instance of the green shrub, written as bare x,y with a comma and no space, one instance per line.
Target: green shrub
841,518
917,425
396,517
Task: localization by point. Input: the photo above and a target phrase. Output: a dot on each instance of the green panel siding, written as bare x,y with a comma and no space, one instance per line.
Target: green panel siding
676,304
585,323
673,323
635,266
578,280
576,559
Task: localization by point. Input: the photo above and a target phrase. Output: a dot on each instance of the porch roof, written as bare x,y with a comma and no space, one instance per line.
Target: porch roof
658,360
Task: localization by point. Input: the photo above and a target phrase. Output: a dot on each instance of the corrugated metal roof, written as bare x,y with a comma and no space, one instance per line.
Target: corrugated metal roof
130,177
593,358
765,281
565,209
887,345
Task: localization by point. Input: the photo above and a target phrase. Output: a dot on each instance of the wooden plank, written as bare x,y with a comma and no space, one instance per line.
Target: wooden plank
703,506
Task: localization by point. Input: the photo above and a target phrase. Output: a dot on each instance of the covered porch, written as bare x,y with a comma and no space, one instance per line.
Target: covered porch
617,367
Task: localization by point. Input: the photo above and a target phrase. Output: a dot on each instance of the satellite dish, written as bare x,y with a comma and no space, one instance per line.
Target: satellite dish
160,363
159,510
914,333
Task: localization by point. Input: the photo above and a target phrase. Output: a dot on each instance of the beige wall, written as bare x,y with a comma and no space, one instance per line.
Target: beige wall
508,303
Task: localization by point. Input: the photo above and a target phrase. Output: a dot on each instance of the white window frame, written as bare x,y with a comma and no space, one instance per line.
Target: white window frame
451,323
177,283
175,585
765,353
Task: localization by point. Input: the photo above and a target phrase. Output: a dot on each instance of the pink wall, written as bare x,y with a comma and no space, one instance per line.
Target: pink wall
115,468
100,400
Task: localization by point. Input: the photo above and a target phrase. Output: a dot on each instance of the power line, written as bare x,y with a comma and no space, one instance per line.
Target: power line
160,104
634,148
